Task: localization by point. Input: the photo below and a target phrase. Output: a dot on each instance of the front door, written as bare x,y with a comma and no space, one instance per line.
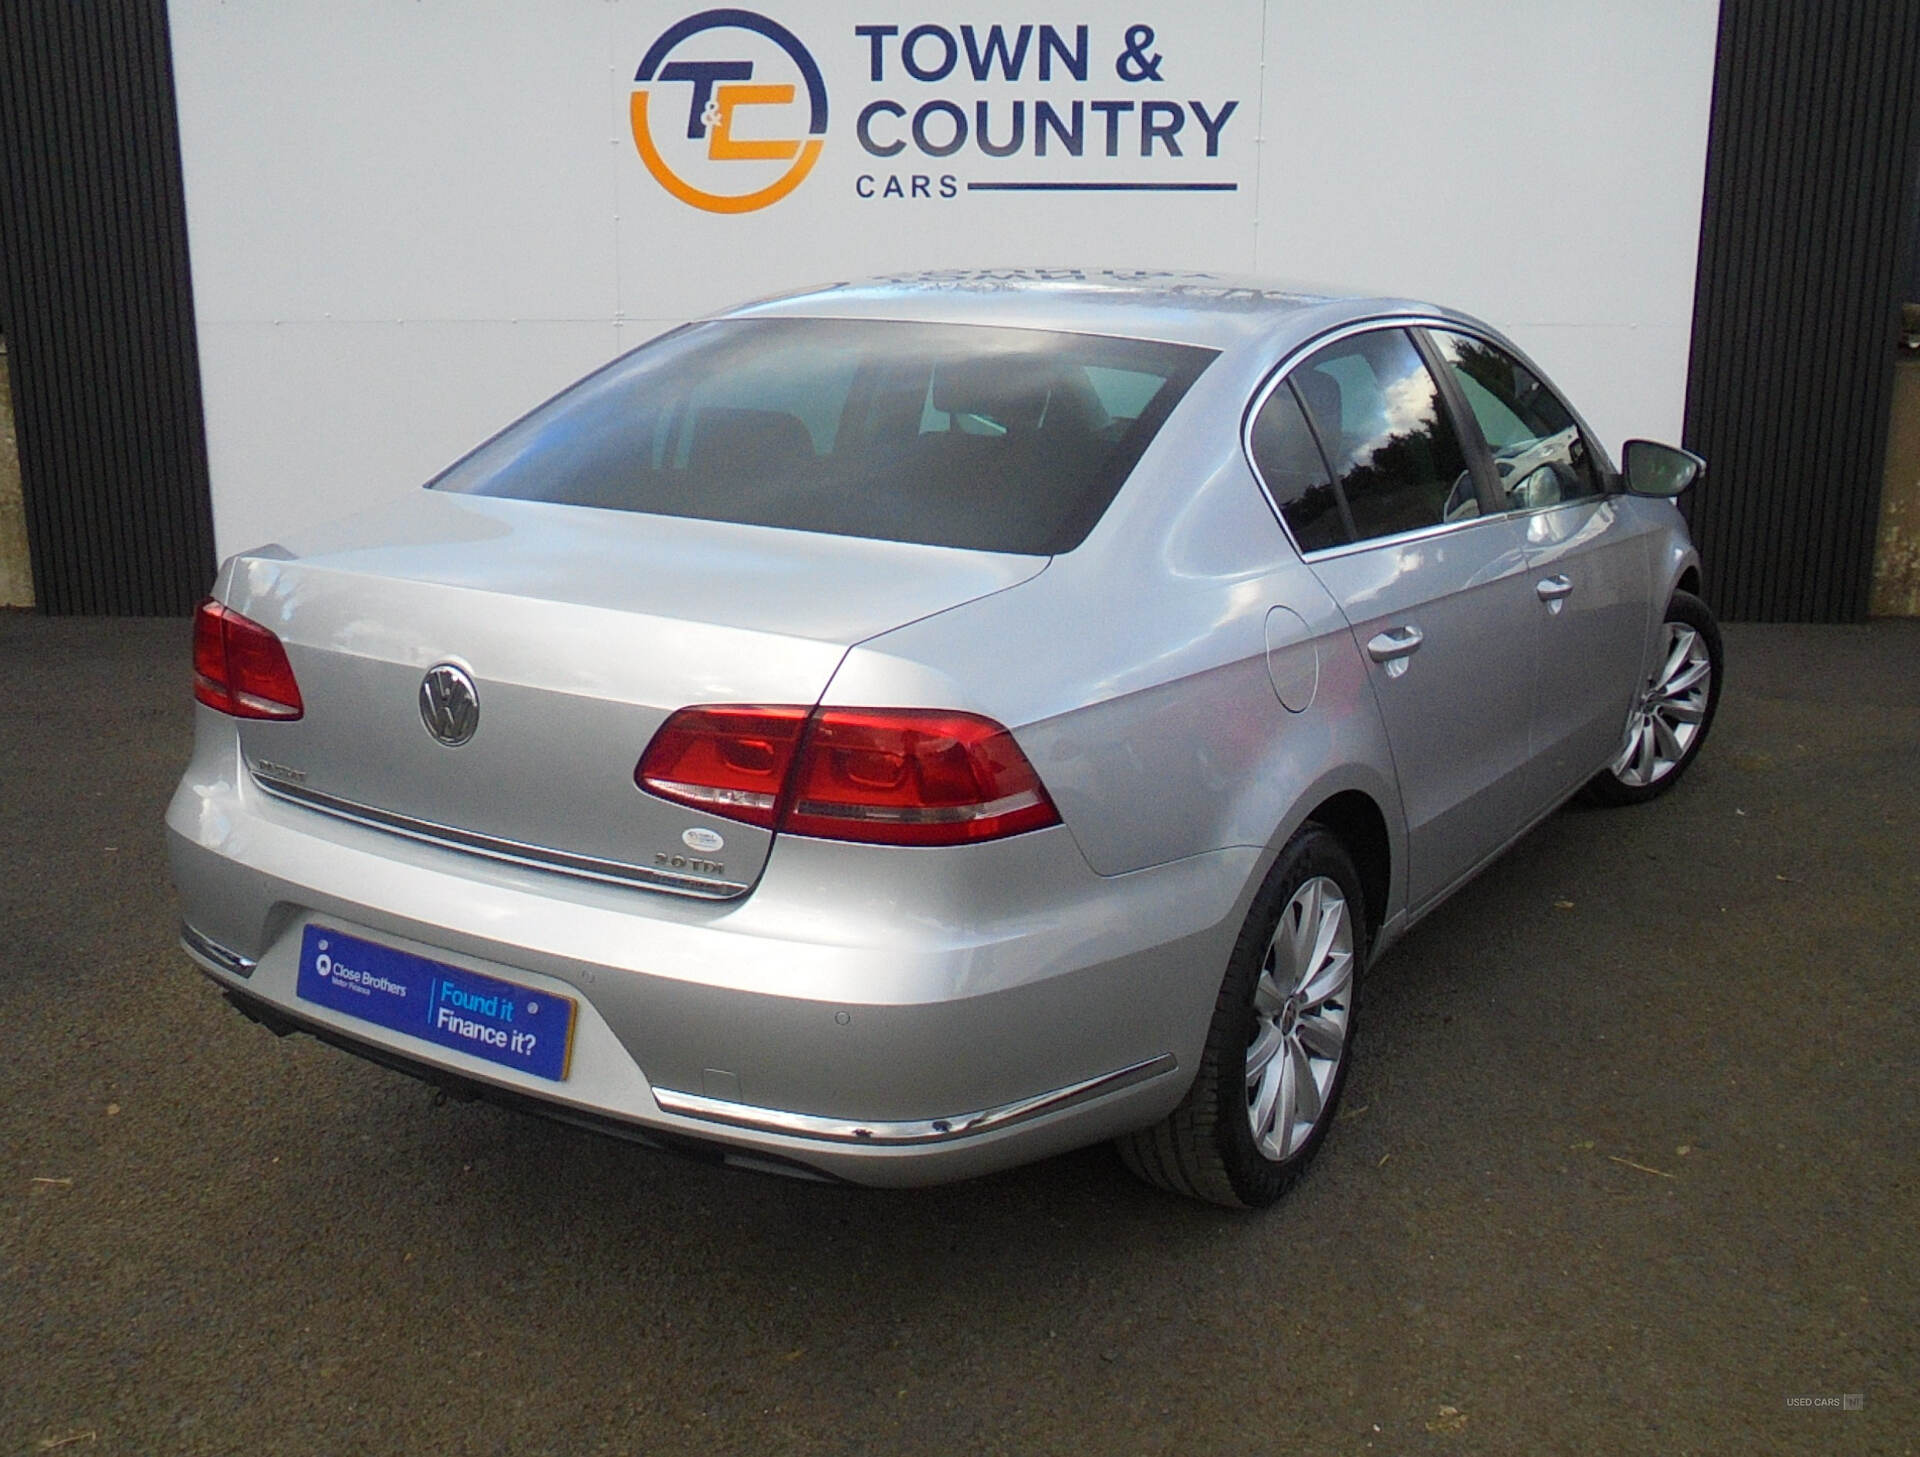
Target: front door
1589,562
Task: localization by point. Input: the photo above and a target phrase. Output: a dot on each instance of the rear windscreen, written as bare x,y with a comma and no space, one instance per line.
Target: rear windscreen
961,435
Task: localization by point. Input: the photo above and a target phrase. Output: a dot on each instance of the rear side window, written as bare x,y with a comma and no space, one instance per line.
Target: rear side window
1010,440
1395,457
1290,463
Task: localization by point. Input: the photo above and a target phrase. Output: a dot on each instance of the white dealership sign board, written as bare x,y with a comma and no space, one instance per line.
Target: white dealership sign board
411,220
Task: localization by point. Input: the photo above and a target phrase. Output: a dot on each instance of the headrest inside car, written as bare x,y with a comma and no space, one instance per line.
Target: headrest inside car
1011,392
729,439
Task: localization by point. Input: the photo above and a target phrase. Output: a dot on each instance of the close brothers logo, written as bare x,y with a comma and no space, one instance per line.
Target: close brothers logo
756,113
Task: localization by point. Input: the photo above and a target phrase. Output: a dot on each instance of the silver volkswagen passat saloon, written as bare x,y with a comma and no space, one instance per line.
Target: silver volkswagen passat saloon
906,729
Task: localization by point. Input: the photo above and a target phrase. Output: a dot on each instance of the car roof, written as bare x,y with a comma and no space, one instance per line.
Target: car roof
1214,310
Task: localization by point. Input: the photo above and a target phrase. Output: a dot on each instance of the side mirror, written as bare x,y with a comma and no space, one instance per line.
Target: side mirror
1653,469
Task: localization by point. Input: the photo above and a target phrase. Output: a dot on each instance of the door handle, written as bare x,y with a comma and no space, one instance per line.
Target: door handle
1395,647
1552,589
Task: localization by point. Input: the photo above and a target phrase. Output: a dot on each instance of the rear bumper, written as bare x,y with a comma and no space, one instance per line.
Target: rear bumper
874,1015
420,1062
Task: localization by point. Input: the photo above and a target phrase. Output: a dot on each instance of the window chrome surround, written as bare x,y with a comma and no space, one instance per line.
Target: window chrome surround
207,949
1399,538
494,847
1523,513
1278,375
909,1133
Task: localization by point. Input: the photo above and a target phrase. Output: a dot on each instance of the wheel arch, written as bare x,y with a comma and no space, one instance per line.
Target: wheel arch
1359,824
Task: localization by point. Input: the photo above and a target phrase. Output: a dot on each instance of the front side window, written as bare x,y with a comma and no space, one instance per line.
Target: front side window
999,439
1396,460
1538,451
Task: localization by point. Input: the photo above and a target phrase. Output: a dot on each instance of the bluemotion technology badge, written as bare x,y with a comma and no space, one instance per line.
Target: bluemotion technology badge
755,118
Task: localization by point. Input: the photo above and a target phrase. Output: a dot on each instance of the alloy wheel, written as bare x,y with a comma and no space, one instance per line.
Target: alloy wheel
1666,719
1301,1007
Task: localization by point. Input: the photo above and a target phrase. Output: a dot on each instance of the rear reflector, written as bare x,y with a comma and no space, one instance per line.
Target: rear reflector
883,776
239,667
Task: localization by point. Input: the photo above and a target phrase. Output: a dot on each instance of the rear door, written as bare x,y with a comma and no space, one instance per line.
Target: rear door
1369,472
1589,567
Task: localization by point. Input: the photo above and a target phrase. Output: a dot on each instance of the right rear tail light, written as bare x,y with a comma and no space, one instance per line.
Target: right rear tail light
884,776
240,667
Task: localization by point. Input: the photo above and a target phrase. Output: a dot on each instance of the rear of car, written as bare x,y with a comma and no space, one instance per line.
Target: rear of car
538,781
899,747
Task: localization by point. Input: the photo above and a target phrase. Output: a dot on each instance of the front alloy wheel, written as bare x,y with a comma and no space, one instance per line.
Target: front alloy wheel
1672,712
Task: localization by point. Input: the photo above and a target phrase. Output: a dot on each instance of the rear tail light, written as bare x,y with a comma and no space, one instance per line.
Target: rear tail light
239,667
906,777
882,776
728,761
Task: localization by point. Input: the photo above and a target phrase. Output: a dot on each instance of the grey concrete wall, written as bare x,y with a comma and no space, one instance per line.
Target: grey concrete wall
16,573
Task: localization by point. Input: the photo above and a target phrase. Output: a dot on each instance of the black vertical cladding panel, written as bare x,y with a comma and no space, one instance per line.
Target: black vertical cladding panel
97,304
1809,190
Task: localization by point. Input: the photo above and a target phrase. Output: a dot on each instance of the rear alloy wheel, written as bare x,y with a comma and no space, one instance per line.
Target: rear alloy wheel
1277,1051
1672,712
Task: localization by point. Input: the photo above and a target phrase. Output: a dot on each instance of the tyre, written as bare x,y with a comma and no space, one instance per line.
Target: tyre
1672,712
1277,1050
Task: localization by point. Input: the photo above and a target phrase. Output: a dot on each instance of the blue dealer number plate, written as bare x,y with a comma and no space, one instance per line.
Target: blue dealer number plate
478,1015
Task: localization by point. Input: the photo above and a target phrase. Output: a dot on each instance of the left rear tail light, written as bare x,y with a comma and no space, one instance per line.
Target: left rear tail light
728,761
883,776
240,667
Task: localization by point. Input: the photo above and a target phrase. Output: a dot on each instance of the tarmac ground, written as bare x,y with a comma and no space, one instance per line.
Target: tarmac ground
1627,1164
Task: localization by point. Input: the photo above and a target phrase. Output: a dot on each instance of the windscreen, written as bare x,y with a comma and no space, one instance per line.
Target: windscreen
1012,440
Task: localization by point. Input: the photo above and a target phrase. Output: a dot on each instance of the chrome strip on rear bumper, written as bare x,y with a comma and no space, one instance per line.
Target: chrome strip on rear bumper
931,1130
220,956
494,847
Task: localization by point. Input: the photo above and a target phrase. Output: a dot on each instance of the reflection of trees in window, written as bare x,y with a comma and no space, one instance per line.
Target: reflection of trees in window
1537,449
1402,482
1486,365
1497,373
1397,460
1314,516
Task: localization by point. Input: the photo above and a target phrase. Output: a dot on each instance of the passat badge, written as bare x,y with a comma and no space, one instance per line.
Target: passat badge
449,704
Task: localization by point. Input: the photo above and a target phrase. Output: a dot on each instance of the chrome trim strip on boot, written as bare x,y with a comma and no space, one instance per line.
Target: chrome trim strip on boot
494,847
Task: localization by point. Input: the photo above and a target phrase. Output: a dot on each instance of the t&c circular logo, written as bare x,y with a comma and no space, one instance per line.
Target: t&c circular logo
755,109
